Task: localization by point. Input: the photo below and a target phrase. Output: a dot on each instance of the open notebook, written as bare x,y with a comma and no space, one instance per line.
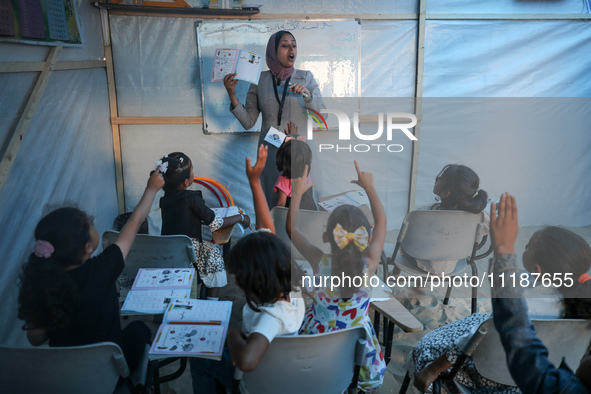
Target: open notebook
193,328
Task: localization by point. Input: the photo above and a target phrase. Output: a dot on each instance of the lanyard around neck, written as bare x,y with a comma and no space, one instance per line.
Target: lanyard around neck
282,101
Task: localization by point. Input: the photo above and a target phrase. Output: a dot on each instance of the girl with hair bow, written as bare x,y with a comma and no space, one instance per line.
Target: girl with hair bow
354,259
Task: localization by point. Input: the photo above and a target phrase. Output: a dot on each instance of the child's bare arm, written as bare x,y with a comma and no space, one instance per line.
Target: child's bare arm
37,336
427,375
281,198
246,353
378,237
232,220
129,231
261,209
307,249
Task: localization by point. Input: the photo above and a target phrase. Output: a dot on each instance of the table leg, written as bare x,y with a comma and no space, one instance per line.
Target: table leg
389,337
376,323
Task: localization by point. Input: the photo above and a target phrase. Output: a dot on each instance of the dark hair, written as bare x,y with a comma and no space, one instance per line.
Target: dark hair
278,36
558,250
48,295
463,184
292,157
179,170
261,264
348,261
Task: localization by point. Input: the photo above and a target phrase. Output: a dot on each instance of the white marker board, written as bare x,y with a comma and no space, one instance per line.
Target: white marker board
329,49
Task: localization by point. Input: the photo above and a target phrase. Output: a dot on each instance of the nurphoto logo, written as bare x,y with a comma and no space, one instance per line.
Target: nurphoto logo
395,122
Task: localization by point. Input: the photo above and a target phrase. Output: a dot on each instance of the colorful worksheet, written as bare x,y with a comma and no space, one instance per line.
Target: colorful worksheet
154,288
246,65
151,301
193,328
163,278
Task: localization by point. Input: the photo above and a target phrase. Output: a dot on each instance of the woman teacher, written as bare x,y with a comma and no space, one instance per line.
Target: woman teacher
282,95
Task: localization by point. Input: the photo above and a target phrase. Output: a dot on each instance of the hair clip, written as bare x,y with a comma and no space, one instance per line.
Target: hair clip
181,160
163,166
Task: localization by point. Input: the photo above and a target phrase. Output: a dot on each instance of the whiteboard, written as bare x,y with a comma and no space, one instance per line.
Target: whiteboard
329,49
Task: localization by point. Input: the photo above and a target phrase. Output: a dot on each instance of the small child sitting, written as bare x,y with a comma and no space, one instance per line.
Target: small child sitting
355,254
261,264
292,156
183,212
458,188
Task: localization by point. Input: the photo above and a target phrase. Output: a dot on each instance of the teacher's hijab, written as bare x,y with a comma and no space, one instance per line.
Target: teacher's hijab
277,69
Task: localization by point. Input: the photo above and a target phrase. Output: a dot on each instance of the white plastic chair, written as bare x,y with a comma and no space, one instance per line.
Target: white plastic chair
321,363
568,338
439,235
78,369
155,251
311,223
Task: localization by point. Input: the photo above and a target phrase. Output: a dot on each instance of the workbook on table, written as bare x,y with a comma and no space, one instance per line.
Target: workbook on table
246,65
153,289
193,328
355,198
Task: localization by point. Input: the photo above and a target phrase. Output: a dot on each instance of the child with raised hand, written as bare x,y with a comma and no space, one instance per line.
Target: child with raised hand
552,251
355,254
261,265
71,299
457,187
183,212
291,159
527,357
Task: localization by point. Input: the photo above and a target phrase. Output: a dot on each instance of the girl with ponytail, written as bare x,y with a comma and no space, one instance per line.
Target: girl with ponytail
457,187
70,299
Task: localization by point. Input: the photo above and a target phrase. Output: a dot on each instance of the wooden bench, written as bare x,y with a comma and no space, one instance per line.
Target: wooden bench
395,314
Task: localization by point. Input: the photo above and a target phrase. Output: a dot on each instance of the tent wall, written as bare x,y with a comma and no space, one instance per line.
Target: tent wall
67,154
65,157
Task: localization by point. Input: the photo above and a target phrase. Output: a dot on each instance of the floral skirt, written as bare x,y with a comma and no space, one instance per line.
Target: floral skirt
345,314
443,341
210,264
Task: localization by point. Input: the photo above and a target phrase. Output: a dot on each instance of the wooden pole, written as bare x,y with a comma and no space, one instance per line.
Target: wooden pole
114,112
27,115
414,163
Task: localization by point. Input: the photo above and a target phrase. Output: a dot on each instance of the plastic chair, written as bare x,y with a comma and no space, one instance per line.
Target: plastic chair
311,223
322,363
79,369
439,235
156,251
489,356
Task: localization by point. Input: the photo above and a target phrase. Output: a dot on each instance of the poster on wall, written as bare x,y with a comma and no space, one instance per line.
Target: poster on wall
41,22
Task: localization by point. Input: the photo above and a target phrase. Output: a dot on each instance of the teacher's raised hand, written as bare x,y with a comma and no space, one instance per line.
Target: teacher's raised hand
230,85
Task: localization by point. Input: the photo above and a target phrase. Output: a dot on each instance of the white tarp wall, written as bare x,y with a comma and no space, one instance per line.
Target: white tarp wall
67,153
65,157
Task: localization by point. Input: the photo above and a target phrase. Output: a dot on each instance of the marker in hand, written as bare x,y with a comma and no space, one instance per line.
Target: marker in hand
303,94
